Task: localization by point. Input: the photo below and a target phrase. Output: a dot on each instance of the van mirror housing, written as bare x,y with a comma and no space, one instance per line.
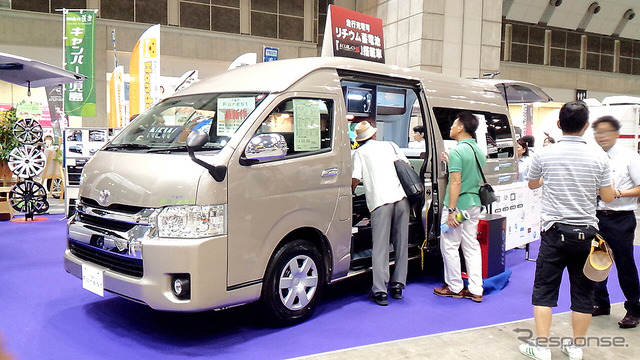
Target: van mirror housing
266,147
195,141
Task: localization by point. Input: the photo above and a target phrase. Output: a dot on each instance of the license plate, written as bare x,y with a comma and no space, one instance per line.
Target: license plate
93,279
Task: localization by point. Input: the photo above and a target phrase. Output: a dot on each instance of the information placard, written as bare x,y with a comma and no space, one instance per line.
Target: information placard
232,112
306,114
521,206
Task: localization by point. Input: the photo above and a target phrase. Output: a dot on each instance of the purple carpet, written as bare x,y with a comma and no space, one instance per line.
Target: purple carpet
45,313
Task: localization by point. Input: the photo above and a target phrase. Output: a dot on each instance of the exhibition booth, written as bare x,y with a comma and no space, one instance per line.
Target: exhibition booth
227,224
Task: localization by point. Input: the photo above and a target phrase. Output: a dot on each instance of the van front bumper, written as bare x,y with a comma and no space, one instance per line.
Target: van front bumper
203,259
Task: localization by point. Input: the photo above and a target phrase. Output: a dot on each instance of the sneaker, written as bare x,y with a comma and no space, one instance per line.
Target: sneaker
534,351
445,291
573,351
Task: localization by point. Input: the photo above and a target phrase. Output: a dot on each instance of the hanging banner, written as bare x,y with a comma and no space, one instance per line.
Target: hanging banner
117,112
144,71
80,96
59,120
352,34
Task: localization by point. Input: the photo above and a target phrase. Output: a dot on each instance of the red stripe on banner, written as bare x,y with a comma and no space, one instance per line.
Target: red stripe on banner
627,136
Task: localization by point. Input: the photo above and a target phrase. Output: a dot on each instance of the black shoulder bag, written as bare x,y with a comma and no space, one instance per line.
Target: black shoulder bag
486,193
411,183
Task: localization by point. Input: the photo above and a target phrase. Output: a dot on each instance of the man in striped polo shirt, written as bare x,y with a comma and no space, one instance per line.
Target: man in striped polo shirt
572,175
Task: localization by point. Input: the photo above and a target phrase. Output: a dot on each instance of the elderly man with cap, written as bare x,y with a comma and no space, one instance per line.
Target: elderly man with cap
373,164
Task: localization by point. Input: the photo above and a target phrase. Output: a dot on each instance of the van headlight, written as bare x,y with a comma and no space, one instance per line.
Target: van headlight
192,221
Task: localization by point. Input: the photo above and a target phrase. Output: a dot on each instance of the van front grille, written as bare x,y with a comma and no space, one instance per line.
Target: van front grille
103,223
113,261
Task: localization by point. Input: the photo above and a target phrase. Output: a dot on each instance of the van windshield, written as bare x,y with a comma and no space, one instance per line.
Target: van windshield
167,125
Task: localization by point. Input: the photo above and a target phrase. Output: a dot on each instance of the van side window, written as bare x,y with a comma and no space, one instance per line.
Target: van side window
306,124
499,141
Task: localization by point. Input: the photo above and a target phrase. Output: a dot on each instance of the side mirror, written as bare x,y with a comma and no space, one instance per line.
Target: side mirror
266,146
197,139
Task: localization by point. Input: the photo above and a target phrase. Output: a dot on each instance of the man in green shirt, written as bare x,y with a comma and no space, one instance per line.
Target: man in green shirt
462,198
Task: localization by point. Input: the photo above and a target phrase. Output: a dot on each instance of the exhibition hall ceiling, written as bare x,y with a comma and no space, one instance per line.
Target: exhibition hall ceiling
611,17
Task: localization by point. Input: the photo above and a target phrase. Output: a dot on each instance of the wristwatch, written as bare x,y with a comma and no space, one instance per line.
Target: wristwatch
451,210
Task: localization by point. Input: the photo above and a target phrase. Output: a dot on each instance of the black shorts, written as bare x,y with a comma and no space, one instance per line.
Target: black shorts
555,254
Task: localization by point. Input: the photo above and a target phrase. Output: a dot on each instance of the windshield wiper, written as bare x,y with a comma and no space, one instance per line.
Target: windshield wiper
169,149
127,146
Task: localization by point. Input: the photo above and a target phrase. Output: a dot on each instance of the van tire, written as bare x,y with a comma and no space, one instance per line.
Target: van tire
293,283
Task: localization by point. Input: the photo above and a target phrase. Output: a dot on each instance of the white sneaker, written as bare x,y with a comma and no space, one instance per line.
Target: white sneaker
534,351
573,351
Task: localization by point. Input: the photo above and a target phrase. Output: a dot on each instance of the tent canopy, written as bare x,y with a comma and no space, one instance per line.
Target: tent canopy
31,73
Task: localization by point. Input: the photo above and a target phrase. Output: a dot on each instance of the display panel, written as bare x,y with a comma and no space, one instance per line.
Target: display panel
358,101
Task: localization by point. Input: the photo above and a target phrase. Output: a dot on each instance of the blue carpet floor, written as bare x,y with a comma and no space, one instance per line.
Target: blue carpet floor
45,313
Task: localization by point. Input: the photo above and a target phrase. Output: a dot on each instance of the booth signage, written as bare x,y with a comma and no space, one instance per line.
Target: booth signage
144,71
80,96
270,54
354,35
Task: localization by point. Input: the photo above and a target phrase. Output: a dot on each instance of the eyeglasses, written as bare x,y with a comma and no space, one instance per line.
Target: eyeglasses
604,132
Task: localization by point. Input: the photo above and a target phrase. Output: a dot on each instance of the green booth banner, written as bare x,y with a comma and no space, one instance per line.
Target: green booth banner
79,32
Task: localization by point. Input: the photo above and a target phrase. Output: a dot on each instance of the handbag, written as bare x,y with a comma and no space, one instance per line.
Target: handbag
485,192
599,261
411,183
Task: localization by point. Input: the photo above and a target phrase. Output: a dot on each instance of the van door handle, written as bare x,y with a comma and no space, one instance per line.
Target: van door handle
329,172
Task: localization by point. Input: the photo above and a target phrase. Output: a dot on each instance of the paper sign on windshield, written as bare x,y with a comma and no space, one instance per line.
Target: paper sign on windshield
232,112
307,125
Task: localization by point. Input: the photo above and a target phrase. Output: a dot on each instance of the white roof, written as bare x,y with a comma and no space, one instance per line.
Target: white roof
277,76
621,100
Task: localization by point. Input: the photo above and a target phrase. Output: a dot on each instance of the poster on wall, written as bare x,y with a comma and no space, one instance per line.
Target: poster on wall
56,111
352,34
79,32
29,110
83,142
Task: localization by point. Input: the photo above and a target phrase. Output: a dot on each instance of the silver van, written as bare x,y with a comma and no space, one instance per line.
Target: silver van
237,188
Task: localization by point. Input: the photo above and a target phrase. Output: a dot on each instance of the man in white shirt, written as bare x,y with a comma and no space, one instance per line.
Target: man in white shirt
617,220
418,138
373,164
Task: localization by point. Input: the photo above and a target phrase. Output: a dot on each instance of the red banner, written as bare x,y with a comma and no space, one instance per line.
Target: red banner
355,35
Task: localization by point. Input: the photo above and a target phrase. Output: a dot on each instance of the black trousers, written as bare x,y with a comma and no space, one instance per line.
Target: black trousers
618,230
557,253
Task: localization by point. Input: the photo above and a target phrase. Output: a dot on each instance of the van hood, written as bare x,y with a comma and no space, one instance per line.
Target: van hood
140,179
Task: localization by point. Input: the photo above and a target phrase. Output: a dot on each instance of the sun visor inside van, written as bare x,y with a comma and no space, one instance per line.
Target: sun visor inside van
518,92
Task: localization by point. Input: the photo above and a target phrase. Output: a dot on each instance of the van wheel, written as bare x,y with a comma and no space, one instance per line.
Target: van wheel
293,283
